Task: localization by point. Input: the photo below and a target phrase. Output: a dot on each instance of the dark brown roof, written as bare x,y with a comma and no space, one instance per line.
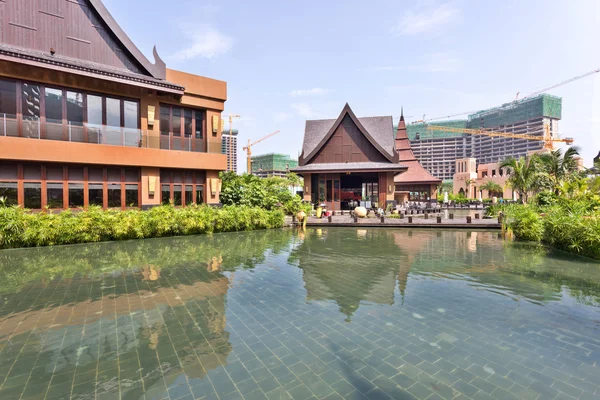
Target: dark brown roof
416,173
378,130
366,166
42,59
157,70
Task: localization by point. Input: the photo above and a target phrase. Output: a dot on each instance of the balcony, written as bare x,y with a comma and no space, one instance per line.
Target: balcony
67,131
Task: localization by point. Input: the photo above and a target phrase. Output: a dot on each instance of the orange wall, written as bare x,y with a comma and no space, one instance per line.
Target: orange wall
198,85
12,148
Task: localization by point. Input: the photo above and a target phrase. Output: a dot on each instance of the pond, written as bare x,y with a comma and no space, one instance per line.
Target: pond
327,313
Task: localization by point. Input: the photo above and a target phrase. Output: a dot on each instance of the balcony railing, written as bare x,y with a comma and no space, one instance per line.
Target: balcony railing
34,128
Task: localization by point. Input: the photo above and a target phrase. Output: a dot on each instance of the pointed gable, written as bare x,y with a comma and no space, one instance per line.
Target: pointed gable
80,30
348,139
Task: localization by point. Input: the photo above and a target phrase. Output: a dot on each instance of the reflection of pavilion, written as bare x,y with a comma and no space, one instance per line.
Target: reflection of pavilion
159,319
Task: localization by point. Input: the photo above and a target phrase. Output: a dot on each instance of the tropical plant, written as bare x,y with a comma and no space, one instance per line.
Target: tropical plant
524,172
468,183
445,187
492,188
559,167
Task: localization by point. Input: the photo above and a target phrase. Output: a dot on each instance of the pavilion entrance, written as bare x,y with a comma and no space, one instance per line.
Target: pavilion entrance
347,191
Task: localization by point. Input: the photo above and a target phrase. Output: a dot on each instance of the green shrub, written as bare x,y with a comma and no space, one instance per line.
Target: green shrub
526,224
21,228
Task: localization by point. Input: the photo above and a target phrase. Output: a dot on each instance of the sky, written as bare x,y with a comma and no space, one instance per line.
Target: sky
285,62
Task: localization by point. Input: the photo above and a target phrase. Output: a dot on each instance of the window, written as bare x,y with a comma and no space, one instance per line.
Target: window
199,123
54,193
8,190
114,195
75,194
165,120
8,98
113,112
30,101
131,195
75,108
94,110
54,107
131,114
176,122
189,195
199,194
33,195
187,123
177,199
166,194
96,194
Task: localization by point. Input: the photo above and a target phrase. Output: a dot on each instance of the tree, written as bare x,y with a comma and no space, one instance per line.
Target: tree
524,173
492,188
559,167
468,183
445,187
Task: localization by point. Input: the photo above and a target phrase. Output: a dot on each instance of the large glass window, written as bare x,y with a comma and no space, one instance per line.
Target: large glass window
96,194
114,195
165,120
131,195
8,191
54,193
166,194
54,109
176,122
33,195
75,108
189,195
131,114
113,112
94,110
30,103
75,195
177,198
199,194
199,123
187,123
8,99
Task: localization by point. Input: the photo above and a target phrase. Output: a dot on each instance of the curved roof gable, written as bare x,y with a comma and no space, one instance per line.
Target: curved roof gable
378,130
157,70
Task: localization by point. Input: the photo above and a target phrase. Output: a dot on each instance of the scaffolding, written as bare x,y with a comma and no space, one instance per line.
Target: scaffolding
272,164
544,105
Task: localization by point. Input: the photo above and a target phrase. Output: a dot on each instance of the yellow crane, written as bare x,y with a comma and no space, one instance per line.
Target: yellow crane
248,149
547,138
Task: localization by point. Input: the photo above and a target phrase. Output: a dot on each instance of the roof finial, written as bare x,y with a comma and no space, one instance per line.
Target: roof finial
402,113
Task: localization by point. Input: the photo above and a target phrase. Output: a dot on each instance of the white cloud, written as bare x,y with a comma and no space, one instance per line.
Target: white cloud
205,42
281,117
304,110
427,18
310,92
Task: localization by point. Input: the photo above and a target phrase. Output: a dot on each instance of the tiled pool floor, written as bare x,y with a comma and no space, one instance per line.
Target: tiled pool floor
327,314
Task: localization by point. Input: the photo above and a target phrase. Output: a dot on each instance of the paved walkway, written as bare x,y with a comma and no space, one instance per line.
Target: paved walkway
417,221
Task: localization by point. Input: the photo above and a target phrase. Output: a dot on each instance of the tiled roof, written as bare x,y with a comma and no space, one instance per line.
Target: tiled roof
416,173
351,166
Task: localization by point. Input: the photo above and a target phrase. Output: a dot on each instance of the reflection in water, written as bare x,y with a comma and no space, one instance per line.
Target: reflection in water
162,317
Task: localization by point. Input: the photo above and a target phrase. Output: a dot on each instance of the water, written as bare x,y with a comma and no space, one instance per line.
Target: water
330,313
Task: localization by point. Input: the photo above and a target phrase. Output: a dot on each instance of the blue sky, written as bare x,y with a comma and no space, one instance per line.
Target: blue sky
286,62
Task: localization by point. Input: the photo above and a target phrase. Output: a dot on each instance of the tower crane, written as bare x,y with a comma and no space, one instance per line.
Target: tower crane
248,149
547,138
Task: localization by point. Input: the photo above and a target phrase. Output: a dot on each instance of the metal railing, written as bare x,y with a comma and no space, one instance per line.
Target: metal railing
34,128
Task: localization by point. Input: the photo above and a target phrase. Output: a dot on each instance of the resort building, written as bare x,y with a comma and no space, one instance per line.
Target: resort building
272,164
439,150
471,177
229,148
86,119
349,160
416,184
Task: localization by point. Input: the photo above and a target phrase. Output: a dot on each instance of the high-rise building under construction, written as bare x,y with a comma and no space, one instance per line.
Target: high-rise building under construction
437,151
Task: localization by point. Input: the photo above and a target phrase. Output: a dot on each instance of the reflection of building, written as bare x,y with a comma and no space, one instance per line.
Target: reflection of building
229,147
438,151
272,164
112,128
349,160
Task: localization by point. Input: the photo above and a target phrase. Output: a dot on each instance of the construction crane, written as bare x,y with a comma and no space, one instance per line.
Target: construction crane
248,149
547,138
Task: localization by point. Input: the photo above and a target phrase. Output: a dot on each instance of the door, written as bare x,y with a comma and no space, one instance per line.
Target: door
332,192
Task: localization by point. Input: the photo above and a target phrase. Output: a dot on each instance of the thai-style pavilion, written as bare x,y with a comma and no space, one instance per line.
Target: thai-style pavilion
348,160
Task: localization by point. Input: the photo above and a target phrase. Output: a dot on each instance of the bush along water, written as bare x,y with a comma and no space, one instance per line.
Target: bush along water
21,228
567,223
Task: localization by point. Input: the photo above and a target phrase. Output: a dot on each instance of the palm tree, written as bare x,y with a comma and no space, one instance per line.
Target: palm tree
559,167
491,187
524,173
468,183
445,187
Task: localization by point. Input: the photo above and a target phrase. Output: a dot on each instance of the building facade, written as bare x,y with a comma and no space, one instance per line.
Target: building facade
86,119
229,148
272,164
349,160
438,151
470,177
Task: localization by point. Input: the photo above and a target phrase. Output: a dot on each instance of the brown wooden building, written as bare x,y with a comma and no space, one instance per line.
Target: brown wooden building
349,160
86,119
